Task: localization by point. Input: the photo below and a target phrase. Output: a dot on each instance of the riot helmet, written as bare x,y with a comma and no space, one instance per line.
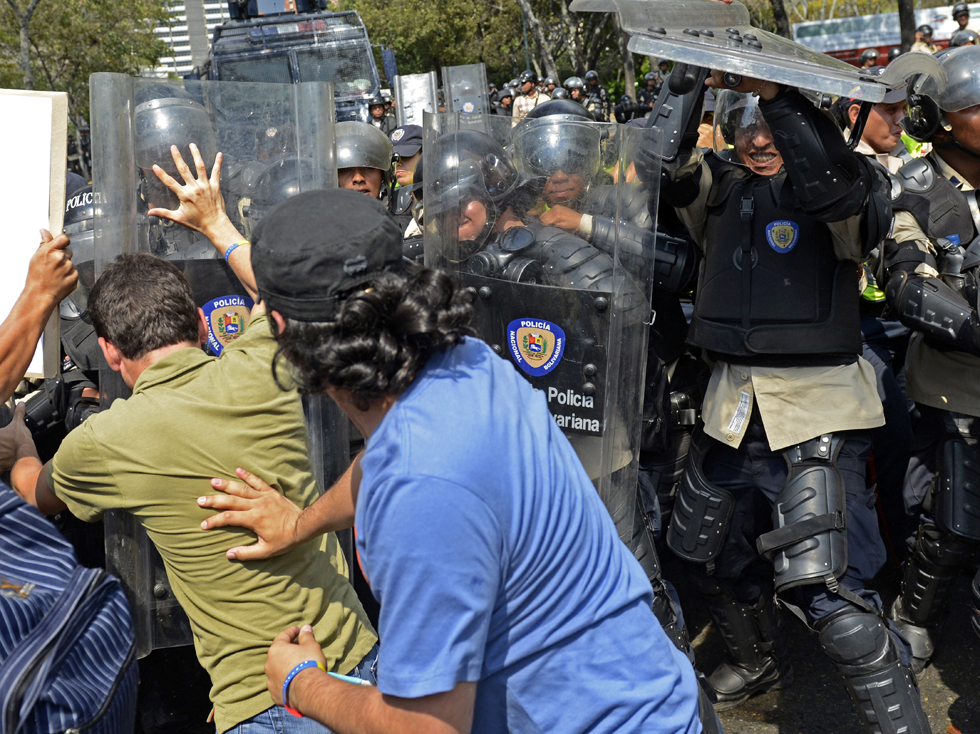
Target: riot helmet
650,76
551,82
965,37
893,53
280,181
559,93
166,115
591,77
574,82
925,30
504,93
557,148
514,83
529,76
741,135
467,189
79,225
869,56
361,146
961,9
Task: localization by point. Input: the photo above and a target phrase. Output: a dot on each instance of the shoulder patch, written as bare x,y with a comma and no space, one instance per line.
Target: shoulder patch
916,177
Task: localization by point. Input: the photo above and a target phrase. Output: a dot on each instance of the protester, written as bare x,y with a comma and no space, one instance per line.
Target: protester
516,607
189,416
50,278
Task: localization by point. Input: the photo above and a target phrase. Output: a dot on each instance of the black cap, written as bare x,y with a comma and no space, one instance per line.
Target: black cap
310,251
407,140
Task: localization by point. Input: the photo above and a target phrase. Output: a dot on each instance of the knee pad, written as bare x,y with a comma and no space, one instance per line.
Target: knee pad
956,504
702,512
857,642
809,543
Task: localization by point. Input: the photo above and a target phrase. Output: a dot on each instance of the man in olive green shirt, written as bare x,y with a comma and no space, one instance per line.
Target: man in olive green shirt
190,418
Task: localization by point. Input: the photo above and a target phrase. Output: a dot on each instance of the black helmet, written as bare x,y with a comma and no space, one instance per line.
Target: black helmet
964,37
559,93
574,82
514,83
504,93
469,166
79,225
551,80
650,76
166,115
282,180
626,99
869,54
591,76
558,135
925,30
960,9
491,86
376,100
894,52
528,76
362,145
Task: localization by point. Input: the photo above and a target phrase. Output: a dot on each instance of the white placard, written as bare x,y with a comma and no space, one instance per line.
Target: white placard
28,120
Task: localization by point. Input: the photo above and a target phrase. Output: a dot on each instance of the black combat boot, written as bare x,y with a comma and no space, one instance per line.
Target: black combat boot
759,658
930,569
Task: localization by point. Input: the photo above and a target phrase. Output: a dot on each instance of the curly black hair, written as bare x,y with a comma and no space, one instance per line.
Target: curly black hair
380,337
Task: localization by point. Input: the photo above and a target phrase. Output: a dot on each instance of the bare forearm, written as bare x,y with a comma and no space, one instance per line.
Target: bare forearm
351,709
19,335
24,474
333,511
223,235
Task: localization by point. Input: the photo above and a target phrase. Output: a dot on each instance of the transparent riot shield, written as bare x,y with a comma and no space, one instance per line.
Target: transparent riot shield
548,223
466,89
415,94
277,140
721,36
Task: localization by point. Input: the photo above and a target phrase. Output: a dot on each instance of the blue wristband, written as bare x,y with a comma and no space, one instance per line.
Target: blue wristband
289,679
235,247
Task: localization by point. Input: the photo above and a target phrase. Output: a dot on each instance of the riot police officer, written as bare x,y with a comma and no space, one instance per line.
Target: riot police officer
653,83
576,89
365,159
597,99
505,102
550,84
379,117
777,466
868,58
961,14
932,261
487,216
531,97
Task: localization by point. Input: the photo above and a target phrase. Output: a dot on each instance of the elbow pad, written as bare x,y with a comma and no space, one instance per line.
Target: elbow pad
675,258
933,308
678,114
831,182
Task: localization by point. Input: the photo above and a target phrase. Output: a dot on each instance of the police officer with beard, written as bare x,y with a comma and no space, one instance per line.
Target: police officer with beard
932,261
777,465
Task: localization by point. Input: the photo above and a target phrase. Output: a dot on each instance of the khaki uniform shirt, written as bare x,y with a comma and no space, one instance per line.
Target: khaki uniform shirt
948,380
795,403
526,103
192,417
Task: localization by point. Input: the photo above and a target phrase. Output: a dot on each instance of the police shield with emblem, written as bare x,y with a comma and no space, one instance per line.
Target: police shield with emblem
466,90
276,140
548,222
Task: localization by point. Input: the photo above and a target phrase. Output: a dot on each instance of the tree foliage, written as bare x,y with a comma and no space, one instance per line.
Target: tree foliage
429,34
71,39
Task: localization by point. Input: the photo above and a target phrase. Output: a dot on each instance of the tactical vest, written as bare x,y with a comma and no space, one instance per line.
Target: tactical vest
938,207
796,298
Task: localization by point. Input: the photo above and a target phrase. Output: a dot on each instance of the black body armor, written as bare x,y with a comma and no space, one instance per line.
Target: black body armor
795,299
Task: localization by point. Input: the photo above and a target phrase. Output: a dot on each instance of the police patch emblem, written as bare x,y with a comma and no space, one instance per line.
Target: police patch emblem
398,135
536,346
782,235
227,317
468,107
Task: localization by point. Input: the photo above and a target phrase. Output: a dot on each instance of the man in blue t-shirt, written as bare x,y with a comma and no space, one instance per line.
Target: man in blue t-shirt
508,602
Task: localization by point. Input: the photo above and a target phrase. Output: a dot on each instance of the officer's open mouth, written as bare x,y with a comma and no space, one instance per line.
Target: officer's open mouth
762,157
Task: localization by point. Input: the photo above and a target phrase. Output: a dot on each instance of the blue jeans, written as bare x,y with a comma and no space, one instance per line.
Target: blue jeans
277,720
